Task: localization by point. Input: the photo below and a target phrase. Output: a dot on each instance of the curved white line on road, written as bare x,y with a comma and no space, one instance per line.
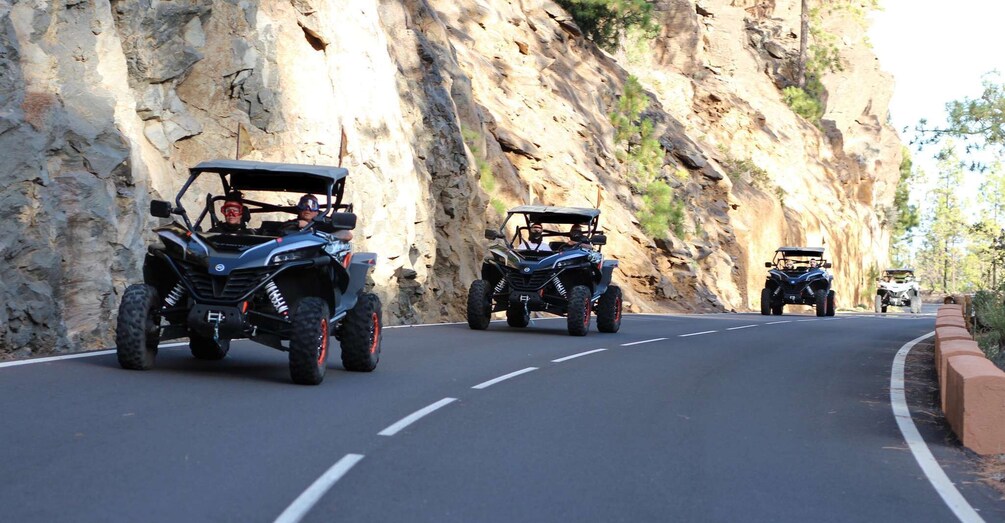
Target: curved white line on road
740,327
493,381
77,355
936,476
306,501
695,334
415,416
641,342
567,358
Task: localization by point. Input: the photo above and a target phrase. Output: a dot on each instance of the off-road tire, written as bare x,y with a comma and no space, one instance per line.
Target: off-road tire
137,331
361,334
831,303
609,310
580,306
517,315
207,349
766,301
879,304
479,305
309,342
915,302
820,297
778,310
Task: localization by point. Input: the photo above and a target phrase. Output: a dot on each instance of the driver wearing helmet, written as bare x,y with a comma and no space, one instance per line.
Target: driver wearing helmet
307,209
577,238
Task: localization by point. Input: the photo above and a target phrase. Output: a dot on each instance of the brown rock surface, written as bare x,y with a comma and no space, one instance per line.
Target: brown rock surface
103,105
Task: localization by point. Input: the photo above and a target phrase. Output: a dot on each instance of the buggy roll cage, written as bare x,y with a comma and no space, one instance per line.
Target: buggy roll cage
242,175
589,218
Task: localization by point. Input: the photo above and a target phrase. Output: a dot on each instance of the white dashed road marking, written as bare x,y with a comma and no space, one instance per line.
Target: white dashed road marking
493,381
415,416
936,476
741,327
304,502
567,358
641,342
695,334
777,322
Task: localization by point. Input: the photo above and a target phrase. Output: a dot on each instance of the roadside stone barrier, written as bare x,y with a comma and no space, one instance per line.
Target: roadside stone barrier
971,387
944,334
976,408
954,320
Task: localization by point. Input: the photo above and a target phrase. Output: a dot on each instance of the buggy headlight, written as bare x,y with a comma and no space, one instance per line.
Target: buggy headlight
289,256
564,263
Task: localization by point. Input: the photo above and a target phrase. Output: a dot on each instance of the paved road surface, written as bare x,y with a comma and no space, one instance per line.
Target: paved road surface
729,417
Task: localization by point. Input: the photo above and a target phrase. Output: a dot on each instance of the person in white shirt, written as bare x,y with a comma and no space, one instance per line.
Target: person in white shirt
535,240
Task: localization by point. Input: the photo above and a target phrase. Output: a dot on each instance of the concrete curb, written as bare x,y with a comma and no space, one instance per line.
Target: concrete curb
971,388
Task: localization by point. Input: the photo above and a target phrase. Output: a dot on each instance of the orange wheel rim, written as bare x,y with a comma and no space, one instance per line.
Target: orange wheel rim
323,346
374,333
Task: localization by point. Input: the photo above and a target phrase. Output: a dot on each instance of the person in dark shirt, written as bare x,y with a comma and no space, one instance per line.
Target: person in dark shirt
577,239
234,216
307,209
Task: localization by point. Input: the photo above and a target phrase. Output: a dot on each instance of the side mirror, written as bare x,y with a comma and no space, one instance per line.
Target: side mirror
343,220
160,209
598,239
827,265
338,221
492,234
769,264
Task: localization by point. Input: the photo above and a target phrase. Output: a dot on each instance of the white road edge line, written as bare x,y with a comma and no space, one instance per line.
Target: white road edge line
304,502
695,334
933,471
641,342
777,322
493,381
415,416
77,355
741,327
567,358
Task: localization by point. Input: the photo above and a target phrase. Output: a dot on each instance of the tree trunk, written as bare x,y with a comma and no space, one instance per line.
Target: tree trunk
804,30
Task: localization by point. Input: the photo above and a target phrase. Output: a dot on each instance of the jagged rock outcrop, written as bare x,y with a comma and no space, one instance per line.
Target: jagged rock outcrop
104,104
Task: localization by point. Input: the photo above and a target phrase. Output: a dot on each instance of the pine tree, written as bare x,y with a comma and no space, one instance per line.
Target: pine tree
941,257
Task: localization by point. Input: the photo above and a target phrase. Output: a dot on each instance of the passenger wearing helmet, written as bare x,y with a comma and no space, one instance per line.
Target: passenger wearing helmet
235,216
535,240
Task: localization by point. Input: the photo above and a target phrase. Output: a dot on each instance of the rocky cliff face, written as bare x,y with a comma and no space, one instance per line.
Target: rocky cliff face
104,104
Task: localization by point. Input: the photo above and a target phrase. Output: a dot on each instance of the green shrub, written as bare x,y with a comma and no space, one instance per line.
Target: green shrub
499,206
606,21
989,313
661,211
803,103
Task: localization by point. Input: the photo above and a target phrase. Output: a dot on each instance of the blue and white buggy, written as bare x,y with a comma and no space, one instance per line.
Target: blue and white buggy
290,288
563,273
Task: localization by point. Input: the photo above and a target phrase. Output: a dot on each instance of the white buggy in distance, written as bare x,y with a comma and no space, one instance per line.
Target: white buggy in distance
899,288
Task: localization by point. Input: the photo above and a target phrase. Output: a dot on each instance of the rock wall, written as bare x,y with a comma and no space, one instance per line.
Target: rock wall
104,104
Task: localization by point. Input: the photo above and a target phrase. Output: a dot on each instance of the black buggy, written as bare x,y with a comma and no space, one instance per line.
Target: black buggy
562,273
290,288
798,276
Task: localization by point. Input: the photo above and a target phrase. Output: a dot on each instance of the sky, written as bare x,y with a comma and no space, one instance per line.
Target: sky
937,51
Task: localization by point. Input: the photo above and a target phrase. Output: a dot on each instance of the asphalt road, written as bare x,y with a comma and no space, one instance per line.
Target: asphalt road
760,419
